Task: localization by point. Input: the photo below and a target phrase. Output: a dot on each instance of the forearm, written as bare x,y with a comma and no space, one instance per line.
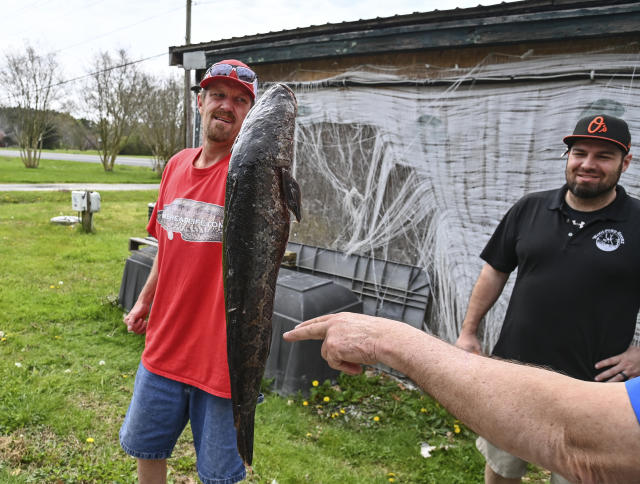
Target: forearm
136,318
485,293
149,289
586,431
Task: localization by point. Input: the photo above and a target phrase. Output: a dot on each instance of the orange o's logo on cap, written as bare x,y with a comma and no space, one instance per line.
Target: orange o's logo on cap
597,125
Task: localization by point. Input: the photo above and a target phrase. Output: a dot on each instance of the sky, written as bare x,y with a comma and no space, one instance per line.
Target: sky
76,30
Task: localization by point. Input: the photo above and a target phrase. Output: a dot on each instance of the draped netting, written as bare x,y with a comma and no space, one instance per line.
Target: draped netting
420,169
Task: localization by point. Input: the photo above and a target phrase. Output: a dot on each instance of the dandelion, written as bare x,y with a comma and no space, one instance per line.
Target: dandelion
90,440
305,403
68,370
391,479
60,283
101,363
57,336
423,410
3,339
326,399
456,428
18,364
391,474
308,434
52,286
334,415
376,419
315,383
125,376
342,411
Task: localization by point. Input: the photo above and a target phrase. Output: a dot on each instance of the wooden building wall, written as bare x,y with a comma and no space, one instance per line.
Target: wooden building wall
463,57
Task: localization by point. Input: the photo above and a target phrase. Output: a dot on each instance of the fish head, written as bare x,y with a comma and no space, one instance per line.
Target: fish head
268,131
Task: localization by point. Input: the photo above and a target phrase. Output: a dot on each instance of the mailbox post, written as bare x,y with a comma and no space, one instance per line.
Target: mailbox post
87,203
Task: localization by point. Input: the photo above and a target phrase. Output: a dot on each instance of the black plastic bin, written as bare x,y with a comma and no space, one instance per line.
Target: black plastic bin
136,270
299,296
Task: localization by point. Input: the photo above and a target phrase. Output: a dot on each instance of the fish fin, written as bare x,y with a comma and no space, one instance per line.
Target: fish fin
292,194
231,193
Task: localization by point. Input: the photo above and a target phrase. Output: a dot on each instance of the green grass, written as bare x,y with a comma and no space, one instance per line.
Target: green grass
67,366
12,170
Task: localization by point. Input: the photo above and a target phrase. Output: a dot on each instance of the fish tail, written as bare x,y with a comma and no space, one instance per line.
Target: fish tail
244,429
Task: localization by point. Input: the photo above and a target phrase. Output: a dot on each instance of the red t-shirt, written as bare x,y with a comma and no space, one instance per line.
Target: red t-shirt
186,334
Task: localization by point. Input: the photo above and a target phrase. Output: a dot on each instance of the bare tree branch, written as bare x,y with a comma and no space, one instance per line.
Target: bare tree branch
162,126
30,81
114,96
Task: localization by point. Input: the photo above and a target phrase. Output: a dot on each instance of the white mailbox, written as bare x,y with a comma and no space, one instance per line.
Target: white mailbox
95,201
79,201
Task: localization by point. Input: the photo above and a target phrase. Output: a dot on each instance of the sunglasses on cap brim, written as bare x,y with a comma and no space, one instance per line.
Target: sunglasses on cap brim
244,73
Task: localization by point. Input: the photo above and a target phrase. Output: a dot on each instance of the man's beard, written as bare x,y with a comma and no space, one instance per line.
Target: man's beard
216,135
216,132
591,191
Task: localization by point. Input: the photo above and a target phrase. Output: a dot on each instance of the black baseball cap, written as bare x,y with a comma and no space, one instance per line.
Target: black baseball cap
603,127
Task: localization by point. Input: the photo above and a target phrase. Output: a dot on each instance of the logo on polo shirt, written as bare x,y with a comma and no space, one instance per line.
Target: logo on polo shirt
608,240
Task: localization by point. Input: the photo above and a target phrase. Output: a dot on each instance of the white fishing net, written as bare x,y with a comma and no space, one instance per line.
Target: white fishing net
420,169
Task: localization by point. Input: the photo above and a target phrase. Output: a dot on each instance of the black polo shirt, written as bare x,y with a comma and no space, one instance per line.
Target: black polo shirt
577,290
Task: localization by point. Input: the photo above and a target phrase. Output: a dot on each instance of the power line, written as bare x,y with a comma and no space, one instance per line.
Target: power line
119,66
6,15
40,3
79,78
117,30
106,34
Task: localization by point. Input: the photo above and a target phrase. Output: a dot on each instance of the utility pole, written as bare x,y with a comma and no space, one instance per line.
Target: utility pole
188,108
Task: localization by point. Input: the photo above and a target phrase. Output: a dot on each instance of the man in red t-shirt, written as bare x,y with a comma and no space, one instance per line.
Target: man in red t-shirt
184,374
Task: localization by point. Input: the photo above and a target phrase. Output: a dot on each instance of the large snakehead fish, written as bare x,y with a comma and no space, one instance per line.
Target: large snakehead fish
259,194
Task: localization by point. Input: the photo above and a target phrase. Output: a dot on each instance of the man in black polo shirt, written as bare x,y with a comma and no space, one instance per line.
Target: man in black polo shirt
577,292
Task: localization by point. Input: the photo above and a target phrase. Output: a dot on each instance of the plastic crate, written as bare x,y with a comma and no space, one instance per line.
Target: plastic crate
387,289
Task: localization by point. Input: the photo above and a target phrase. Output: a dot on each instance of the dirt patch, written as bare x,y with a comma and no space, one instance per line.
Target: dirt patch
12,448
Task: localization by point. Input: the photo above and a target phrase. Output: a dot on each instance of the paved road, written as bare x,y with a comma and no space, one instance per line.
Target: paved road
66,187
120,160
40,187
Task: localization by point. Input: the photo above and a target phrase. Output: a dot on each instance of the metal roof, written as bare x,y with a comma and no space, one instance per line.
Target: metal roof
505,23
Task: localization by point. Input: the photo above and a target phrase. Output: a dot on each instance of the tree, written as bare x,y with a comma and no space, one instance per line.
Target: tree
31,83
162,125
113,95
76,133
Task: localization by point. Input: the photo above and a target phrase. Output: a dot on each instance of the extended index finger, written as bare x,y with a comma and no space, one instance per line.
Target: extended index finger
312,329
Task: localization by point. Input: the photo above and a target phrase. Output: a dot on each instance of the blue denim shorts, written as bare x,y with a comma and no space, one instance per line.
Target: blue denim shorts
159,411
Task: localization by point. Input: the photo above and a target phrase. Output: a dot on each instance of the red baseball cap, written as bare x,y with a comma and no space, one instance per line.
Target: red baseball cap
233,70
